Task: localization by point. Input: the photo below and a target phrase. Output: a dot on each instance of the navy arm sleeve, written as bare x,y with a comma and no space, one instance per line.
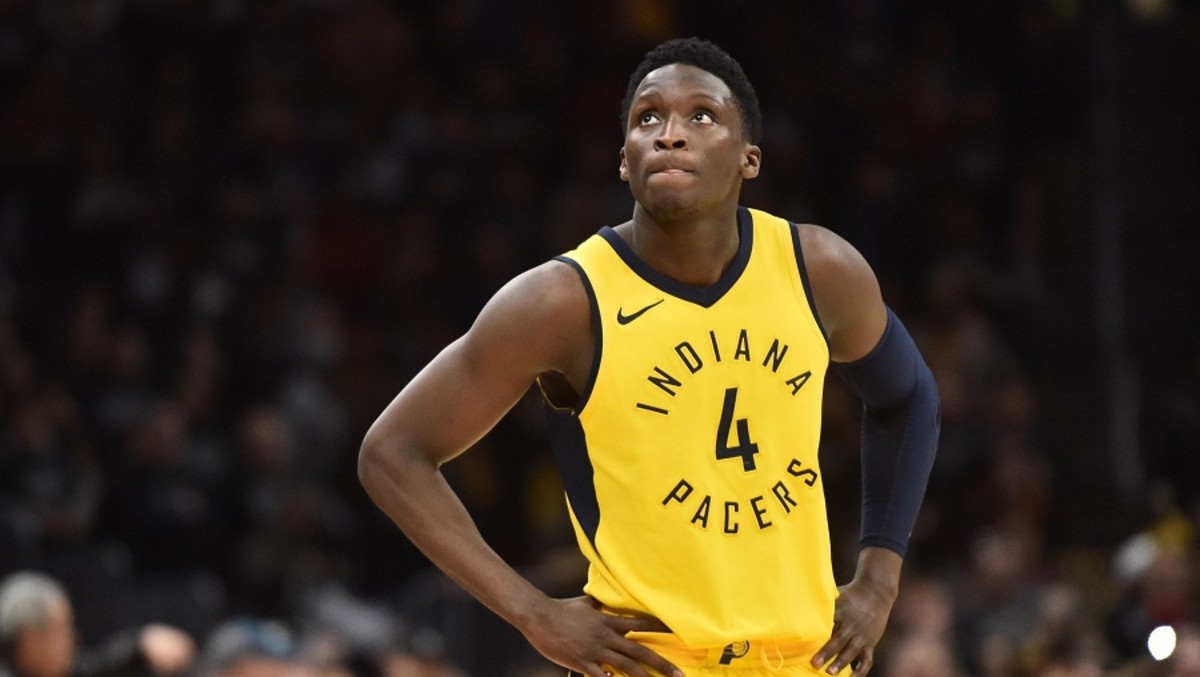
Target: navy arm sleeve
901,421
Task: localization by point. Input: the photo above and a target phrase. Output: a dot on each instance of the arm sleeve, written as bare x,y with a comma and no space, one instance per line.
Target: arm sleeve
901,422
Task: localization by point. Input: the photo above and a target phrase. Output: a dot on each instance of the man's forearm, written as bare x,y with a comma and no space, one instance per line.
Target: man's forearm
415,495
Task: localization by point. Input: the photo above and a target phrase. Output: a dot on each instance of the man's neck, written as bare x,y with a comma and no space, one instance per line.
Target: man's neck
695,251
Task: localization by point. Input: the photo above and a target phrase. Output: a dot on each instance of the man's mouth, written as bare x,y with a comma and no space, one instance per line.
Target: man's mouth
670,169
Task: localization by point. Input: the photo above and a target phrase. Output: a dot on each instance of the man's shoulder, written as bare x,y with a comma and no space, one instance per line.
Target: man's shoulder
550,293
542,317
821,246
555,281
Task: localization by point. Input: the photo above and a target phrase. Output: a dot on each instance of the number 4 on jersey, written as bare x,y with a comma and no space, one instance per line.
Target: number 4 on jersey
745,449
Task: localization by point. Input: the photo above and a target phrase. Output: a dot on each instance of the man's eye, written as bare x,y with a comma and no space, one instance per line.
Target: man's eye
703,116
647,118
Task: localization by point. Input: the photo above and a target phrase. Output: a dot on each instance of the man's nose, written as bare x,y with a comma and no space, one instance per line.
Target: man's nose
672,136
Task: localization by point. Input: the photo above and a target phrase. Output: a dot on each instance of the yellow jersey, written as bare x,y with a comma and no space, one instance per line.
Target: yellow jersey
690,462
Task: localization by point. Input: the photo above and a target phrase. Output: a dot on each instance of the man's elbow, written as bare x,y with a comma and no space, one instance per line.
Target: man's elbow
927,396
371,459
388,461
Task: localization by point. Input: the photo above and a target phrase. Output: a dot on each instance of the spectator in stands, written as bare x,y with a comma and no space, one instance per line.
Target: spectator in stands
37,638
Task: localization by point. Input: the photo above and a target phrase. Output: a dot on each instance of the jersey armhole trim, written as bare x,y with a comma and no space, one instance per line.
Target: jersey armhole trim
808,291
597,333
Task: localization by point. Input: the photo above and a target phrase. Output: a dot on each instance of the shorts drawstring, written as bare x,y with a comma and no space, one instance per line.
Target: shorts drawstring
767,661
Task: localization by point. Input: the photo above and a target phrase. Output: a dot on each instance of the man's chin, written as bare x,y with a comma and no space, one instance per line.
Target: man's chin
666,207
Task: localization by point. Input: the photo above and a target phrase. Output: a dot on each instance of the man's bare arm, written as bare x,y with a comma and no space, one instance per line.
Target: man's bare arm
537,323
845,292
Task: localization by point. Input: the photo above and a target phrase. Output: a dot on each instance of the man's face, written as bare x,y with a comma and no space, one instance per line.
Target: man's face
48,650
685,150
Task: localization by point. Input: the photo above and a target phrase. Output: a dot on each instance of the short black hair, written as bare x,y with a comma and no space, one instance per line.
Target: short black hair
708,57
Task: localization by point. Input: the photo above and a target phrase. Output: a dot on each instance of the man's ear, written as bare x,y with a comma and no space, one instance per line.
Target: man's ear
624,170
751,162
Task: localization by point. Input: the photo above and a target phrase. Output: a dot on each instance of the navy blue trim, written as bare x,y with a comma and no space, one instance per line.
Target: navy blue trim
706,296
575,468
597,333
808,290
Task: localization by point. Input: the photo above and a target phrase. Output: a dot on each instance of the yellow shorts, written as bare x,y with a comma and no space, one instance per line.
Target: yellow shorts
765,658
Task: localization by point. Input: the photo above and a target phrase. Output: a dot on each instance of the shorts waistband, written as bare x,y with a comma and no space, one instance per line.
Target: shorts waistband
770,653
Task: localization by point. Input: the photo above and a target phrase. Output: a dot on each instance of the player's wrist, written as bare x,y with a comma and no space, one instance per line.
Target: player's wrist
530,613
879,570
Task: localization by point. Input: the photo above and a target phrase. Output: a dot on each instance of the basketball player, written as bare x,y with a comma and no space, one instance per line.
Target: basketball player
682,356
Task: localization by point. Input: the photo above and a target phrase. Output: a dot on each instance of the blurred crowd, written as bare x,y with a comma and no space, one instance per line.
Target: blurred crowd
231,230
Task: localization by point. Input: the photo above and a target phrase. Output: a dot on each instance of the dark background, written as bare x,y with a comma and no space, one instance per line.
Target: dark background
230,232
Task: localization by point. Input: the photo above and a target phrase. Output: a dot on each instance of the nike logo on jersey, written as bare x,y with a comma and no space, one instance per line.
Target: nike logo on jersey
622,318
